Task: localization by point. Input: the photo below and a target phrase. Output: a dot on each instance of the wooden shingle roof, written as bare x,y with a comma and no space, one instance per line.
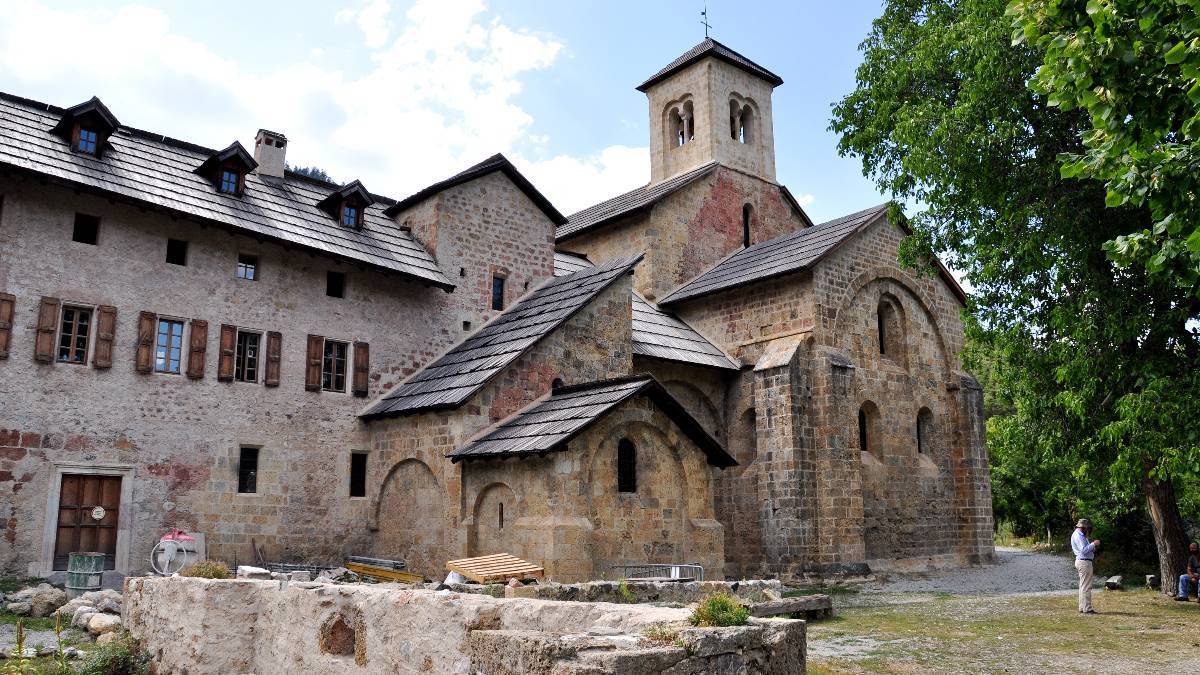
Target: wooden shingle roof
656,333
549,424
463,370
496,162
641,199
158,172
710,47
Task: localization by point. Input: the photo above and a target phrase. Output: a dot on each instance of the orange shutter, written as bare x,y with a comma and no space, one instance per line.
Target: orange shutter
362,368
43,349
144,362
228,346
198,345
7,300
106,326
274,353
312,367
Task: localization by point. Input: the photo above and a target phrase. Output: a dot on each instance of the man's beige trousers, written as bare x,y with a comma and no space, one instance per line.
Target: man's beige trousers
1084,567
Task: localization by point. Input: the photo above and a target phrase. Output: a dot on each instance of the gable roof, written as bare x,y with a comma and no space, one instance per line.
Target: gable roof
710,47
640,199
496,162
656,333
234,151
154,171
463,370
549,424
791,252
354,190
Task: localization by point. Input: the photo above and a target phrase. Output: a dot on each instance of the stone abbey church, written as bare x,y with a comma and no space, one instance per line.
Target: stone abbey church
691,372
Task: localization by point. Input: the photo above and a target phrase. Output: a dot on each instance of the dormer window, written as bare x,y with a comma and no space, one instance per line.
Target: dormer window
348,205
227,169
86,141
230,180
86,127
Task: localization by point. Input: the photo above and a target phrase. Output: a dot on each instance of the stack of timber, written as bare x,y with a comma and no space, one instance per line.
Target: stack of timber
495,568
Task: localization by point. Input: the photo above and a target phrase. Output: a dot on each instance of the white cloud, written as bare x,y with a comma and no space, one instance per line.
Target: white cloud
436,96
805,199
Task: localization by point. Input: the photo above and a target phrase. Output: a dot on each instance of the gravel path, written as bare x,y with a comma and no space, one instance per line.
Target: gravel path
1018,571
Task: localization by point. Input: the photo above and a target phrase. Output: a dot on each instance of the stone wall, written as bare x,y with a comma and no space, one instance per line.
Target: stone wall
206,626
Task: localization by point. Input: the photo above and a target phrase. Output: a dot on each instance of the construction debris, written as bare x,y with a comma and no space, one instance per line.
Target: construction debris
495,568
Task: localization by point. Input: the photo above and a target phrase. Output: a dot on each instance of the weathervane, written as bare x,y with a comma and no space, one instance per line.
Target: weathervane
704,19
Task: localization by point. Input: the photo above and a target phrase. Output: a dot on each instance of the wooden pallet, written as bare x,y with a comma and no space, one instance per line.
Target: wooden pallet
384,573
495,568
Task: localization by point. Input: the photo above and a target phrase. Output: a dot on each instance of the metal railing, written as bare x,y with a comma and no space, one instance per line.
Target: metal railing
678,571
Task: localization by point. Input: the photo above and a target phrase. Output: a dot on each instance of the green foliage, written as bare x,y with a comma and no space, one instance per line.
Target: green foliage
662,635
1089,366
1133,66
122,656
719,609
624,595
314,172
207,569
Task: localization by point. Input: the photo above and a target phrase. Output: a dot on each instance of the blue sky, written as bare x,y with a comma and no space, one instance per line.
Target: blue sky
403,93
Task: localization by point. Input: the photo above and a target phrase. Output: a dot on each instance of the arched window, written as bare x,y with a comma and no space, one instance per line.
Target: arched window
924,425
746,211
747,124
626,466
500,516
890,326
557,383
681,124
868,430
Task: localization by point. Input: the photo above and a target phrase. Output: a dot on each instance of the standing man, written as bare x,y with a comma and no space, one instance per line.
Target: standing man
1085,554
1192,576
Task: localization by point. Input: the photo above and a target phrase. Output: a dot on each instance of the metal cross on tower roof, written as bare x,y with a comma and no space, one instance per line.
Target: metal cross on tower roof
704,19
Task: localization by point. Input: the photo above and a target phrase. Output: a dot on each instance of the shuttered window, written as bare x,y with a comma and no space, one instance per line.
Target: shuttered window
76,328
228,353
245,363
333,366
47,328
7,305
274,353
197,347
168,346
362,368
106,326
147,324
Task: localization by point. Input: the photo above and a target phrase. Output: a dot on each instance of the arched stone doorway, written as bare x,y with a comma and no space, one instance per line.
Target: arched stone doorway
412,519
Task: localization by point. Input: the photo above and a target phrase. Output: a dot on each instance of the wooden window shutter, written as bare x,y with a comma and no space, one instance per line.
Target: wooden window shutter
228,347
106,326
274,353
312,367
147,322
7,301
47,325
362,368
197,346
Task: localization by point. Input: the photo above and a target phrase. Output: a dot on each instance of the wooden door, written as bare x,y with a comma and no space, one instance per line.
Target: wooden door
82,499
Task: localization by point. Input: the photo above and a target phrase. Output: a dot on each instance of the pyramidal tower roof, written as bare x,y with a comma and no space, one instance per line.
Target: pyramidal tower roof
710,47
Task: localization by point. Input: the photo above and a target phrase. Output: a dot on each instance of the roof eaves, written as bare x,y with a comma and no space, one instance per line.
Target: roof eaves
645,207
718,51
497,162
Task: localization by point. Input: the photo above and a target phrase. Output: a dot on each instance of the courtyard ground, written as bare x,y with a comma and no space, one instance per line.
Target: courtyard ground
1018,616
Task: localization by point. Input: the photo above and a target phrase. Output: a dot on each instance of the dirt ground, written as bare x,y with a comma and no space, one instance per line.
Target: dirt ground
1018,616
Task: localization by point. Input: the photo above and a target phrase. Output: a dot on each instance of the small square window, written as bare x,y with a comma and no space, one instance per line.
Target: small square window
177,252
87,141
358,474
497,292
335,284
86,230
169,346
245,361
230,182
247,267
73,334
350,216
333,366
248,471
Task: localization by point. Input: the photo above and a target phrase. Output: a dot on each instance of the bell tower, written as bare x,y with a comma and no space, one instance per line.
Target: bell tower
711,104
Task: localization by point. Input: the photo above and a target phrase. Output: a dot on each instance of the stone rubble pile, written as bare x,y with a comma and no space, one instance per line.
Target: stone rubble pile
35,601
97,612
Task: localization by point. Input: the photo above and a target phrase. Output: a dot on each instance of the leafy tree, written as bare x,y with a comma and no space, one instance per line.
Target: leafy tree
313,172
1134,67
1085,356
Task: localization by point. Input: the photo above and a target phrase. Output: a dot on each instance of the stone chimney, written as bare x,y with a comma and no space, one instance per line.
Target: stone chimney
270,151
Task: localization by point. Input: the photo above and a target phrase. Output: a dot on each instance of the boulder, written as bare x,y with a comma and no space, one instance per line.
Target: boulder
82,615
106,638
100,624
249,572
19,608
301,575
46,599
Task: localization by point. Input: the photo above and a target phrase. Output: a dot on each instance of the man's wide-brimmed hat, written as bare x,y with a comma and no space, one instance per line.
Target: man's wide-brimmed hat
1083,522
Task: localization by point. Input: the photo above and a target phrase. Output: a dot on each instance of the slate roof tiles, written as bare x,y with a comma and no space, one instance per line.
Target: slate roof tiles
710,47
622,205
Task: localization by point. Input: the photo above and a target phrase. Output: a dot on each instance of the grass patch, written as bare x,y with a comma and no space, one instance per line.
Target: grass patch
30,623
662,635
12,584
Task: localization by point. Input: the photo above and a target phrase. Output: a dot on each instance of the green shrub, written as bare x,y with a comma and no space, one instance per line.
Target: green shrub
624,594
207,569
719,609
122,656
662,635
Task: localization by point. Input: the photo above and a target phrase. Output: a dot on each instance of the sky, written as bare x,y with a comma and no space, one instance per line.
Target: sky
402,93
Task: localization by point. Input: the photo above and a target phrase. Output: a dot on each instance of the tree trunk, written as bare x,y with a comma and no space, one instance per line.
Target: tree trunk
1170,537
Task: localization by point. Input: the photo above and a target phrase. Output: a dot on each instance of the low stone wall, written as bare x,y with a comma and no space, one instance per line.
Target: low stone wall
633,590
244,626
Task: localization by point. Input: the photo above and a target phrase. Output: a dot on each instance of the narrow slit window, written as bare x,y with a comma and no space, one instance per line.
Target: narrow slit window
177,251
862,431
500,516
358,474
626,466
497,292
247,267
746,211
333,366
86,229
169,346
73,336
335,284
248,471
245,364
